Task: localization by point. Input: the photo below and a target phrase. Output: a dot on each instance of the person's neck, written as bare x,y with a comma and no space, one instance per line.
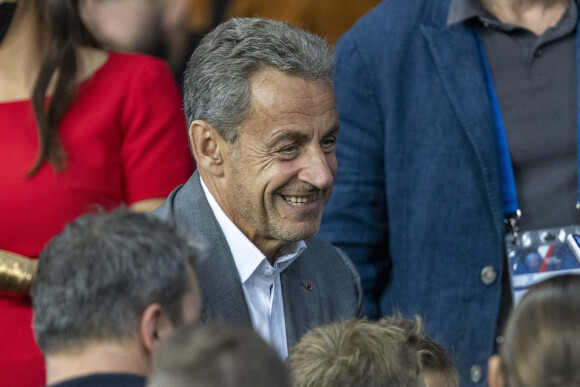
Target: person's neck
20,54
97,359
216,187
534,15
270,248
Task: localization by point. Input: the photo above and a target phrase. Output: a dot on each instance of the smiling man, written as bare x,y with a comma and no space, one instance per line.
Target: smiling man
263,124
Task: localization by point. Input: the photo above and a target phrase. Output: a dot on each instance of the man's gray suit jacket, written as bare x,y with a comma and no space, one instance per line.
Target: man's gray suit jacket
320,287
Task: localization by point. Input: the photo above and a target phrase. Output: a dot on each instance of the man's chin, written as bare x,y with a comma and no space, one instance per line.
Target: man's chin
297,232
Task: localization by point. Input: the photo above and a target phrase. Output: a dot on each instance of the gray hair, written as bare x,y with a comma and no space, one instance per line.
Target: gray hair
97,277
217,80
216,354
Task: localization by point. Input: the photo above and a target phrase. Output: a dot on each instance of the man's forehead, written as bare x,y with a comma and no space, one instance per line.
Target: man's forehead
281,103
271,88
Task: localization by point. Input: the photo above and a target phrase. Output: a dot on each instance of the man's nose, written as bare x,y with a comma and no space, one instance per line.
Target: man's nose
318,169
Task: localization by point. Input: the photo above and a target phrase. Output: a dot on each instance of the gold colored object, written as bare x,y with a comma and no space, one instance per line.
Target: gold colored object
15,273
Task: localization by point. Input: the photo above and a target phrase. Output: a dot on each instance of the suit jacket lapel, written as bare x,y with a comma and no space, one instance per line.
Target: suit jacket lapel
455,53
305,294
222,294
299,301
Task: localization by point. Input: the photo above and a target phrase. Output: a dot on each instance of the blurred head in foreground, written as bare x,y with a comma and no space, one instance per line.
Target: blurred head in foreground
542,338
206,355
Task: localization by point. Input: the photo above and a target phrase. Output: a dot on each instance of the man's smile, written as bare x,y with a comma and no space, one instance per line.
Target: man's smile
300,200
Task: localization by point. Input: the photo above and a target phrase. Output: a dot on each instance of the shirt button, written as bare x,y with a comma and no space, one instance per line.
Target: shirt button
268,272
488,275
476,373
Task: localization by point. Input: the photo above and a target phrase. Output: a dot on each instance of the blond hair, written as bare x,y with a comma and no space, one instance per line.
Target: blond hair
357,353
432,356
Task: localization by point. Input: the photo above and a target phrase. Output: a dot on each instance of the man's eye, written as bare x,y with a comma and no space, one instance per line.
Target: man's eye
328,144
289,150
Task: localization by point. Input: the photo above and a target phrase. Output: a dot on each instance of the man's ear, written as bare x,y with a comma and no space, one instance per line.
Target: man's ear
494,372
155,327
208,147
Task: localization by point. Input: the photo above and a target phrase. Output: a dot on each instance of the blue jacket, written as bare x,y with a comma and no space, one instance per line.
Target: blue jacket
417,202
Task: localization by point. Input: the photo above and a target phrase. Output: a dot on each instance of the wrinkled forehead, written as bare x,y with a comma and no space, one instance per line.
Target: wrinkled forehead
274,93
268,80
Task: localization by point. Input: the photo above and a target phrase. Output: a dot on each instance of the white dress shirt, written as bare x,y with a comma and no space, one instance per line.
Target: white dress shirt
260,280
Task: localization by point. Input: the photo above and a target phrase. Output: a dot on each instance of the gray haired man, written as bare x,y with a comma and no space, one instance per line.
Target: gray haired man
262,120
109,289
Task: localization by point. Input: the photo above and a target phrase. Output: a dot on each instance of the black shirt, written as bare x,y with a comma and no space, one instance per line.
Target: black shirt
535,81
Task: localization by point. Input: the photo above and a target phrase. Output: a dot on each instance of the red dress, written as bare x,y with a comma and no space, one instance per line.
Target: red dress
125,139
